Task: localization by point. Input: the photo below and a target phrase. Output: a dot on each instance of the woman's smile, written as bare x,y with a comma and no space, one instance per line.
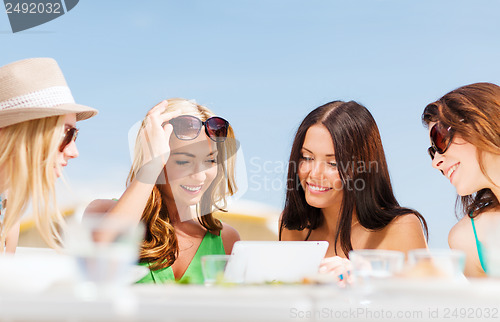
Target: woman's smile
316,188
192,189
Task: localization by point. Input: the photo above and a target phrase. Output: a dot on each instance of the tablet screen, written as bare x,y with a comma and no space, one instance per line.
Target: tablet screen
275,261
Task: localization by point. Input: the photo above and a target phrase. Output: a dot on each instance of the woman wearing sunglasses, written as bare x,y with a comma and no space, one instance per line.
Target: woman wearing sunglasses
339,189
38,116
465,148
175,183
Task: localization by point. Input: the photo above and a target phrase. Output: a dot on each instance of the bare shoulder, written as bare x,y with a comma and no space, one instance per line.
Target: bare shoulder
461,234
409,219
287,234
404,233
486,221
229,236
408,224
99,206
461,237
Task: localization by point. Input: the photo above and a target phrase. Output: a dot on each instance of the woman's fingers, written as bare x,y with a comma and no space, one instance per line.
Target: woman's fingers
333,259
338,267
157,122
334,269
165,117
156,134
330,263
157,116
168,129
333,262
160,107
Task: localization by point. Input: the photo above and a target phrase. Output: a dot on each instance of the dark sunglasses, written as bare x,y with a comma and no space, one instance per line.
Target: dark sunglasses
188,127
441,137
70,135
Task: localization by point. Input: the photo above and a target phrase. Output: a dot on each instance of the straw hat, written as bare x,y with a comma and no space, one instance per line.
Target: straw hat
35,88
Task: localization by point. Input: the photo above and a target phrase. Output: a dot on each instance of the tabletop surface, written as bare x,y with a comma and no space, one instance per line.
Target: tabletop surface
476,300
39,286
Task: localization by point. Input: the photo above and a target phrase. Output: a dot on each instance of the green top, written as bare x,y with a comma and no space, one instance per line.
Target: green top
480,247
210,245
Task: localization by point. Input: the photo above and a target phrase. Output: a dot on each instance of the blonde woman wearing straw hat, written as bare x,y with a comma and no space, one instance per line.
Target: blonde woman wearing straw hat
37,132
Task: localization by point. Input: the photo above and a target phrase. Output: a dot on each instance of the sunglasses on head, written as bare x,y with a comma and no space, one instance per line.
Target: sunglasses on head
441,137
69,135
188,127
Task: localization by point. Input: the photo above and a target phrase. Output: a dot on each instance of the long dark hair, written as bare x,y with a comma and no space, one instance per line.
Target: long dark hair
472,111
367,191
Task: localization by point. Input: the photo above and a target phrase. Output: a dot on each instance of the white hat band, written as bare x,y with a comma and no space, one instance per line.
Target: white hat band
49,97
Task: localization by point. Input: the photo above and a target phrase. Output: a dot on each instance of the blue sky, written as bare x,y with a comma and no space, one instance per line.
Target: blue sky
263,65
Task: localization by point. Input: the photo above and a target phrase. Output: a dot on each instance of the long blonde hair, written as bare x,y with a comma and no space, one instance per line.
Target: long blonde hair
27,159
160,247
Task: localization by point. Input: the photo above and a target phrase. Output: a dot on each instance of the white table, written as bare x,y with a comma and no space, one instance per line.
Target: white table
395,301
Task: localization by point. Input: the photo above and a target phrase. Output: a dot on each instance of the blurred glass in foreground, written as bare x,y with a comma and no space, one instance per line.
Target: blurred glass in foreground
370,267
221,270
105,253
442,264
375,263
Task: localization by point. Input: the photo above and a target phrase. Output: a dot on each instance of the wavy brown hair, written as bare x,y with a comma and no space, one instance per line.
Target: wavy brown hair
472,111
356,140
160,247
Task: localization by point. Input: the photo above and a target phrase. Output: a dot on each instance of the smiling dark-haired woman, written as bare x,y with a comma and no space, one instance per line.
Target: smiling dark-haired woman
339,188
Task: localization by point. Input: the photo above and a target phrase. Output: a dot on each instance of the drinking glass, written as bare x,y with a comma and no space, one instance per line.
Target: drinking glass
370,267
221,269
437,263
105,252
375,263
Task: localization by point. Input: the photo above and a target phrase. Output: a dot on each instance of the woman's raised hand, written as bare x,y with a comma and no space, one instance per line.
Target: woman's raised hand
154,137
154,141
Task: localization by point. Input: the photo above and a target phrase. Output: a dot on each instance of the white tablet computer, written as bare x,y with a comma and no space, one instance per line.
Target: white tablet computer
275,261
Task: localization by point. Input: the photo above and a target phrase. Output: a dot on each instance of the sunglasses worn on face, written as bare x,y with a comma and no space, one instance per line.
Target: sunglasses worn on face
188,127
441,137
70,135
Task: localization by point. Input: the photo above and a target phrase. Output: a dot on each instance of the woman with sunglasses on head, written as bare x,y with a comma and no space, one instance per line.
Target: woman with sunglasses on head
174,185
339,190
465,137
38,116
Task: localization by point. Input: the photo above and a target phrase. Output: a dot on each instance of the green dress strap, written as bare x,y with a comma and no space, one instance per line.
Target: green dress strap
210,245
480,247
